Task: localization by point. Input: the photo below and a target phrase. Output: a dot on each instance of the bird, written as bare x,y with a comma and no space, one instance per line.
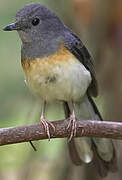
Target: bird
59,68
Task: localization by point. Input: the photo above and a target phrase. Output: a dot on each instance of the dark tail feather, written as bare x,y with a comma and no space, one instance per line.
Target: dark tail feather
94,107
102,166
71,145
73,153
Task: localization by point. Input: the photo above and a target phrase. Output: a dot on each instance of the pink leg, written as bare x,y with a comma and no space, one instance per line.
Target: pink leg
46,123
72,123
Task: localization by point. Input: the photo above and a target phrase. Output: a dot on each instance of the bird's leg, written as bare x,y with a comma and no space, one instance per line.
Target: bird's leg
46,123
72,123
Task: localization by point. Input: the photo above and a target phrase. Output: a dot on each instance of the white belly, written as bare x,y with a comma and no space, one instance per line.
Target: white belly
62,81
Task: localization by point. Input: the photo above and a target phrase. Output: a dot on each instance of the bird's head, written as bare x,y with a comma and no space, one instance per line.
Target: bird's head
34,22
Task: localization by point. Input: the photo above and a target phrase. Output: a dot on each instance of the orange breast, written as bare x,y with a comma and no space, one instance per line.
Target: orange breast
61,57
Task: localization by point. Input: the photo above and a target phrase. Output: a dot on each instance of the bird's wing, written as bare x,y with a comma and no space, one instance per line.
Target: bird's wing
76,47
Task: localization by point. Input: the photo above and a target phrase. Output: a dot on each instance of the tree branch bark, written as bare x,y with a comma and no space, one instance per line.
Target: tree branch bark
102,129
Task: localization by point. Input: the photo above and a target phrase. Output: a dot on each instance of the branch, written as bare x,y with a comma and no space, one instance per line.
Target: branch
102,129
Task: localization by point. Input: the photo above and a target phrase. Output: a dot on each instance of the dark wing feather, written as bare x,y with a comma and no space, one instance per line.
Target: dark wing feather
76,47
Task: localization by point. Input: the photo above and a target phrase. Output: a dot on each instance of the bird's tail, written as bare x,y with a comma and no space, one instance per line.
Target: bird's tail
99,150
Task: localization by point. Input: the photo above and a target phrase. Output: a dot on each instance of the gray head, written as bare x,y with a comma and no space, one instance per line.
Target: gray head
40,30
35,21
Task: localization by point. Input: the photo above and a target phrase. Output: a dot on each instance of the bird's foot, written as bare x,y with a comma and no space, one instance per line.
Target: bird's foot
46,125
72,126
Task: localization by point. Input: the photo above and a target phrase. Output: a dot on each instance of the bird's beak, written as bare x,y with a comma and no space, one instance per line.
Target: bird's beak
11,27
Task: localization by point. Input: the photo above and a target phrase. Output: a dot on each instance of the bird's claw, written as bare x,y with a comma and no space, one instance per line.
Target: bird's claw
46,125
72,125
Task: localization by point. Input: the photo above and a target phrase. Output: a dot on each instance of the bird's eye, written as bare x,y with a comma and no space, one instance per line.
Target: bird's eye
35,21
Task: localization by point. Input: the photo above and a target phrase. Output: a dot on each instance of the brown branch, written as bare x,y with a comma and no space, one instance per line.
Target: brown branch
84,128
